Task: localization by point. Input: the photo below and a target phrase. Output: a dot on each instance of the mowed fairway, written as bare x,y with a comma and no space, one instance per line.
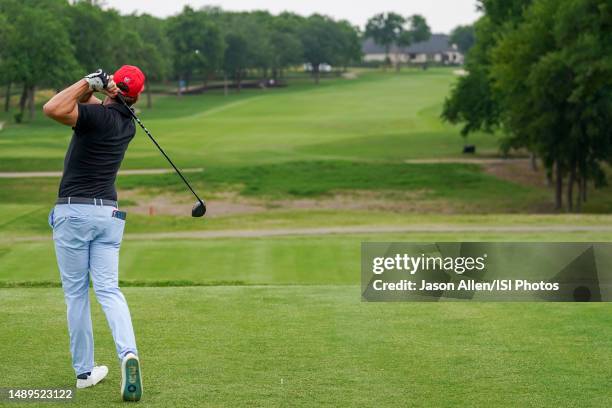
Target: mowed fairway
376,116
303,346
263,308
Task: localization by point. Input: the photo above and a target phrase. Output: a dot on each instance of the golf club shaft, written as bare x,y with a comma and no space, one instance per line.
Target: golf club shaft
120,97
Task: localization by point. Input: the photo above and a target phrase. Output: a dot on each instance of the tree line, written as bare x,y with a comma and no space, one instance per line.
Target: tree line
49,43
541,72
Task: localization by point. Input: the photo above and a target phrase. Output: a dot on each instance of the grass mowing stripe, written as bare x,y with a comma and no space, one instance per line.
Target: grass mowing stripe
129,283
151,284
331,259
35,225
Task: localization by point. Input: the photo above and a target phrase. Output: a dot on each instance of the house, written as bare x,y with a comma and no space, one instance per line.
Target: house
437,49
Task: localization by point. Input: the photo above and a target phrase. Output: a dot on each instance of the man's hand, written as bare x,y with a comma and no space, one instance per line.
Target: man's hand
98,81
63,106
111,88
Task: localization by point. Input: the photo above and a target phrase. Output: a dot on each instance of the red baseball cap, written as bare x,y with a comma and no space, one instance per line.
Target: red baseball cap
130,80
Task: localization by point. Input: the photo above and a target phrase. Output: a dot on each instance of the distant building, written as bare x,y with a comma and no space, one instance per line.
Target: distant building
436,49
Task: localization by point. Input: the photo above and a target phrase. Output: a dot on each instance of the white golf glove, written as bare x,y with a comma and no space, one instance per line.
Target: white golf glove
97,80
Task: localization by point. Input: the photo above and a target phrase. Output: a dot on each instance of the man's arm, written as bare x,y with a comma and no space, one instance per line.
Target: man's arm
89,99
63,107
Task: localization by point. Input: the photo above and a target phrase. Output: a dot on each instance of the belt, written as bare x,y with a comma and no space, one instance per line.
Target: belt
83,200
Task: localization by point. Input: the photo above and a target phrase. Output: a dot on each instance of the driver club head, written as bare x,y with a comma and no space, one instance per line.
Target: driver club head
199,209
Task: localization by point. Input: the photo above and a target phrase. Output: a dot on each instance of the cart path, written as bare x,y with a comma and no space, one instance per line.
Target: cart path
340,230
366,229
134,172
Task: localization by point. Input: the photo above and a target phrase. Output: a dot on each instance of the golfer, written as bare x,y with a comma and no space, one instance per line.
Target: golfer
86,221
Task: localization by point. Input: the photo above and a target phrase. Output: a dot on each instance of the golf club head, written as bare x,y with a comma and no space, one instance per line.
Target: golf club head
199,209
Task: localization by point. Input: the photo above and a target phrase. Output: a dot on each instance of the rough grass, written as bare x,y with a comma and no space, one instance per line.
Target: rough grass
457,182
462,185
311,178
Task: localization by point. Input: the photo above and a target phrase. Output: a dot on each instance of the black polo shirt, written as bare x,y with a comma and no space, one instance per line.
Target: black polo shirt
101,137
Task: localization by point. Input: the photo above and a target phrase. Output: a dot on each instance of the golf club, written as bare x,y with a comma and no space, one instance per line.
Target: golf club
199,209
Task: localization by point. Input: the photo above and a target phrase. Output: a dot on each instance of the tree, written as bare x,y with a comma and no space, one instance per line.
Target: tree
249,44
196,42
6,76
156,56
40,57
415,30
504,12
385,29
91,31
589,56
350,43
554,75
190,45
141,53
541,71
473,100
464,37
212,46
320,43
285,42
235,59
255,29
524,127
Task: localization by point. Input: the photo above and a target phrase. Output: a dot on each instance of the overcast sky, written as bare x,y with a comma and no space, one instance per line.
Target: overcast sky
442,15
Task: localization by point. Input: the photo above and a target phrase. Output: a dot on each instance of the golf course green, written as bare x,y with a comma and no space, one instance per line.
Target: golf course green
259,304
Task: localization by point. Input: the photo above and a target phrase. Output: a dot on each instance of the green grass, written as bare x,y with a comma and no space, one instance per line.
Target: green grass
455,186
302,140
312,178
460,183
277,321
319,259
320,346
23,220
379,116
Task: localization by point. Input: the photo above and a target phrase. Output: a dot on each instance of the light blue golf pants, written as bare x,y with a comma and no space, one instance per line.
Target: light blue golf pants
87,240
